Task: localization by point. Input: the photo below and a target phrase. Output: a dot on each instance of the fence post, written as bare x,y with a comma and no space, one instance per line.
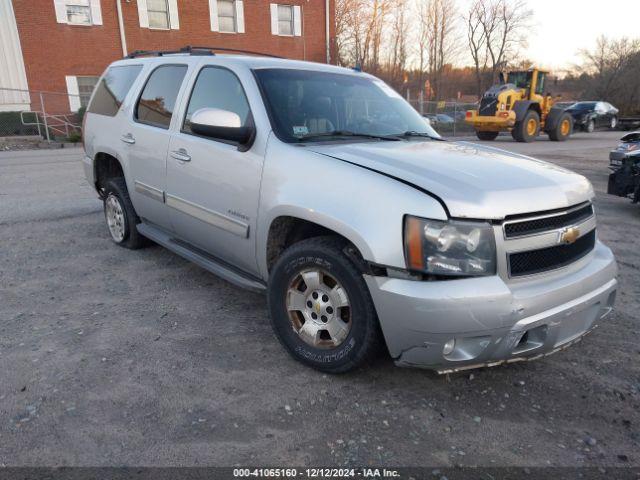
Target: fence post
455,116
421,100
44,117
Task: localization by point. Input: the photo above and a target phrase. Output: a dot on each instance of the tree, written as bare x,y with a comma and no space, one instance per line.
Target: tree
495,30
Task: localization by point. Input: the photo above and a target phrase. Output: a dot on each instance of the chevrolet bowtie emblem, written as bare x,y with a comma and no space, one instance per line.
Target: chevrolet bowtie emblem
569,235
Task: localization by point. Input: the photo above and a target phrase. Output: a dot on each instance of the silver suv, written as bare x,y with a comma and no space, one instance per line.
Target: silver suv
321,186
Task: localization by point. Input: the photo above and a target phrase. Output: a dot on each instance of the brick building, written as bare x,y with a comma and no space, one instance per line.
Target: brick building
64,45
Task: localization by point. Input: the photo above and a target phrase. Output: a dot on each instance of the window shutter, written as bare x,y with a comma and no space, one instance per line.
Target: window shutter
213,15
73,91
173,15
297,21
143,14
96,12
61,11
274,19
240,16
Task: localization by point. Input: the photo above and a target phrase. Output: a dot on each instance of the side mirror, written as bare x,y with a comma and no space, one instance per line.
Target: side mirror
221,124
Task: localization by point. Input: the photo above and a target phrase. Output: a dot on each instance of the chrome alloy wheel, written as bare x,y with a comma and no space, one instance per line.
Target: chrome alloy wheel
115,218
319,309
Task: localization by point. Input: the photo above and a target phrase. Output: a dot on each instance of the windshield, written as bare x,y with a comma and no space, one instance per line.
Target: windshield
583,105
306,105
520,79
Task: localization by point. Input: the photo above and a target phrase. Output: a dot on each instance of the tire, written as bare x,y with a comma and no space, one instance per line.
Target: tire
119,210
488,136
292,305
590,126
563,128
614,122
527,129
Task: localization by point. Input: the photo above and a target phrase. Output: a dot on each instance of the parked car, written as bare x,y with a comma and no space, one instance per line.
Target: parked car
591,115
325,189
624,162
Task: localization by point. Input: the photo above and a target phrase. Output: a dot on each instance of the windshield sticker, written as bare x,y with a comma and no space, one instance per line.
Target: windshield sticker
387,89
300,130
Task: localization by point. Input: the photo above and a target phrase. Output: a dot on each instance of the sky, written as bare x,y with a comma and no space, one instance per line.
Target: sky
562,27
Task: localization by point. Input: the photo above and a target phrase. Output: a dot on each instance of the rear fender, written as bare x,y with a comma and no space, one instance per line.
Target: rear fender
522,106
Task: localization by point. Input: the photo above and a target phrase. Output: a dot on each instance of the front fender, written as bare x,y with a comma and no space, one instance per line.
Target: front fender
364,206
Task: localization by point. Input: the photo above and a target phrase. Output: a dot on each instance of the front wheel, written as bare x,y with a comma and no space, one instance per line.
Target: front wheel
320,306
489,136
590,126
527,129
614,123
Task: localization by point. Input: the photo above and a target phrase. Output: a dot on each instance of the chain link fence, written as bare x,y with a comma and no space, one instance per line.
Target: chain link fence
447,118
40,115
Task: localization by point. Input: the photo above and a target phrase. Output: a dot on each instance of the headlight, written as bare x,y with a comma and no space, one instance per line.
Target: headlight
449,248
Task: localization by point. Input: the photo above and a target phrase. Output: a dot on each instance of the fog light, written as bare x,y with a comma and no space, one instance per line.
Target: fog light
449,346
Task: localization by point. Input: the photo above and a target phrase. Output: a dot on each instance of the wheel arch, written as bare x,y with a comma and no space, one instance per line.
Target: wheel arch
521,107
287,228
106,165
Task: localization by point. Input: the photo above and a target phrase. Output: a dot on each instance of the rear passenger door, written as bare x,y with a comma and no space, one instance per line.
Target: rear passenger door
145,138
212,186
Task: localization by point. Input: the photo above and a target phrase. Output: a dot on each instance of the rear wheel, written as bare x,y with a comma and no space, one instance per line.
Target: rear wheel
320,306
486,135
120,215
563,128
527,129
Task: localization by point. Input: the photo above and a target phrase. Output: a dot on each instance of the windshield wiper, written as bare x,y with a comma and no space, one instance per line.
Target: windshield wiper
413,133
347,133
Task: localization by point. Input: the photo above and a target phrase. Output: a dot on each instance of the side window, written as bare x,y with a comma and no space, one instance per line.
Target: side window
113,88
217,88
158,99
540,83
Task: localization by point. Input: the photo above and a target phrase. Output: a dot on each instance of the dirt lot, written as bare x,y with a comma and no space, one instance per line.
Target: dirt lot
116,357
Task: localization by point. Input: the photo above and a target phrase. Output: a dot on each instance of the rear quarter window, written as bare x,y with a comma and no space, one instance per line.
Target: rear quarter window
113,88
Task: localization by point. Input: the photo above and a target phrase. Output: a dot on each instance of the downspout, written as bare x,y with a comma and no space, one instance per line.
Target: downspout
327,29
123,38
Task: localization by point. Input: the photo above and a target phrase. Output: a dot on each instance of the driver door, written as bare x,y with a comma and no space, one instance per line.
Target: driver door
212,186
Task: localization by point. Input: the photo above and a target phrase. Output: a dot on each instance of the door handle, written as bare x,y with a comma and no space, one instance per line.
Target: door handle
128,138
181,155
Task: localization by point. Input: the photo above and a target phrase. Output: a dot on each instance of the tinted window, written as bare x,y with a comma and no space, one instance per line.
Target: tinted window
158,98
217,88
112,89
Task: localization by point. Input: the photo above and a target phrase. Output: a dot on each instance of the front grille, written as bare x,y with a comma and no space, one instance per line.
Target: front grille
550,258
488,106
539,225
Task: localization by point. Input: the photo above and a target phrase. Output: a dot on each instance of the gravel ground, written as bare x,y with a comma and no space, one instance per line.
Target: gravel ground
117,357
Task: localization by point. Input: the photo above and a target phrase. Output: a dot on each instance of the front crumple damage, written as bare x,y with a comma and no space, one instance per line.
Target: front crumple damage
492,321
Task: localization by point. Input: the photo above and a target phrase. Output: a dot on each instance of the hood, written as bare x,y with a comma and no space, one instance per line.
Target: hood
473,181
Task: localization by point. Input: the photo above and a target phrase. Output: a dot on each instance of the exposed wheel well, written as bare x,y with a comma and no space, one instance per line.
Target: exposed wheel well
106,167
285,231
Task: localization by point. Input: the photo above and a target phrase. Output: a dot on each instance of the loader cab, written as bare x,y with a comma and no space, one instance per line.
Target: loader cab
533,81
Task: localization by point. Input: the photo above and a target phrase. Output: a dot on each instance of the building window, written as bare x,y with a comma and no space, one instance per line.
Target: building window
85,89
158,14
80,90
285,20
227,15
78,12
158,11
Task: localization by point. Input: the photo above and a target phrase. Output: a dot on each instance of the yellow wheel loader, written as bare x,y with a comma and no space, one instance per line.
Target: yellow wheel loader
518,104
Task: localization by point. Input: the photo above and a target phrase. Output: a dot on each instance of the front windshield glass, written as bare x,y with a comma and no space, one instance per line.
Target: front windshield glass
307,105
520,79
584,105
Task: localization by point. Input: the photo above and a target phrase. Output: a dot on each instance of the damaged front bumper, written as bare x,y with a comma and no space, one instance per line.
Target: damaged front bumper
460,324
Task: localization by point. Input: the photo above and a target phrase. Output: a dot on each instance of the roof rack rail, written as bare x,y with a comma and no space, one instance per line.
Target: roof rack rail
193,50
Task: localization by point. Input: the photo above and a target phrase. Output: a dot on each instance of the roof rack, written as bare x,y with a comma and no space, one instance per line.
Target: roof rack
192,50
